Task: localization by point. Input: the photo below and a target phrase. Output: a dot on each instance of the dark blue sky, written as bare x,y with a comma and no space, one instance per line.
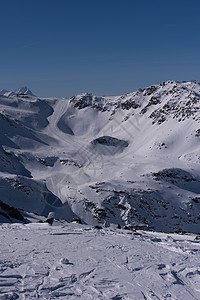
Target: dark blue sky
108,47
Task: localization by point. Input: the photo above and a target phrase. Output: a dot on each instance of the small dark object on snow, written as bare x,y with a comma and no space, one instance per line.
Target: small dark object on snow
50,221
119,226
50,218
76,220
136,233
97,227
180,230
126,227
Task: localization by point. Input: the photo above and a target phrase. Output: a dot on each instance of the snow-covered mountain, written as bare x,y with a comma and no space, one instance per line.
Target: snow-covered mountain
24,91
131,160
7,93
3,92
20,92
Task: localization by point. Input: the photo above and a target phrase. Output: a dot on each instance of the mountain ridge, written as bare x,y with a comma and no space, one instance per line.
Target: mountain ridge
131,160
19,91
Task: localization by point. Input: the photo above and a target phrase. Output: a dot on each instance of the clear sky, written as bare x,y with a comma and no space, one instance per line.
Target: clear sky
107,47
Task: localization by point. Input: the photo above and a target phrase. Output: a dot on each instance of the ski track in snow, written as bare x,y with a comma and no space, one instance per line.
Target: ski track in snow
79,262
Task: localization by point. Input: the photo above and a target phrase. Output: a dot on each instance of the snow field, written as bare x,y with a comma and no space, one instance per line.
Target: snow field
72,261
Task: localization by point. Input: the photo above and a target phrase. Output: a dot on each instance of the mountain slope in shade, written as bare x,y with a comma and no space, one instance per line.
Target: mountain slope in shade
131,160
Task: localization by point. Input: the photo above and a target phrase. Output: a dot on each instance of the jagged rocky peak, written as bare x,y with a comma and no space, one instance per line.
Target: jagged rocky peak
172,87
177,100
24,91
143,98
88,99
18,92
169,99
82,100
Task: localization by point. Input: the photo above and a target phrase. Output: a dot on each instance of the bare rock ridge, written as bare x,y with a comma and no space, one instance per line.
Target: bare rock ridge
132,160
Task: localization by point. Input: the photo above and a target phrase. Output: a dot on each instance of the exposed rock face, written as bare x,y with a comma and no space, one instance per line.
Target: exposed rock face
16,215
110,141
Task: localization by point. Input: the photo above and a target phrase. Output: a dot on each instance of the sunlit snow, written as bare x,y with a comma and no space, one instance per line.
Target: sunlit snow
117,163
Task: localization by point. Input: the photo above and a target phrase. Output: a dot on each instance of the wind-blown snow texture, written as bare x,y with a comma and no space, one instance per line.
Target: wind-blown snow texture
129,160
80,262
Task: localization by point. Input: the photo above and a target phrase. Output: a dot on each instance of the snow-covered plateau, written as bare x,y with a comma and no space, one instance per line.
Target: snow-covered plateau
127,168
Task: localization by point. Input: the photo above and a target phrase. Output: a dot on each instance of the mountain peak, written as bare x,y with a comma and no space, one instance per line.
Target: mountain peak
3,91
24,90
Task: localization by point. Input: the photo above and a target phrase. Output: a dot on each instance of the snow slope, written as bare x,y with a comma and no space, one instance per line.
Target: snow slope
72,261
130,160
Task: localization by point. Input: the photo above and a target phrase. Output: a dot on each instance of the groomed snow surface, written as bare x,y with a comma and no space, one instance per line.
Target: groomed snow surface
73,261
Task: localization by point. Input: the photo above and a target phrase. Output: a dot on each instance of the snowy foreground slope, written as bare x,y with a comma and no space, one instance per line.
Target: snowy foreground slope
131,160
73,261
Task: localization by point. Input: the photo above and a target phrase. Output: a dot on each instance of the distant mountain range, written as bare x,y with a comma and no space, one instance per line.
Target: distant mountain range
132,160
20,91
